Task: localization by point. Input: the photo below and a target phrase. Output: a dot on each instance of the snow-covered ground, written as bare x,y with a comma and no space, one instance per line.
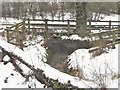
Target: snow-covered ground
35,55
105,65
8,22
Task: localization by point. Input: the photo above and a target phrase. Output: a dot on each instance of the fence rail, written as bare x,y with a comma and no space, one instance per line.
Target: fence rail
68,24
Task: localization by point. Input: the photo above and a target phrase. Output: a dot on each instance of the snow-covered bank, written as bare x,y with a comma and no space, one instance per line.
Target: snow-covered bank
48,70
105,64
90,66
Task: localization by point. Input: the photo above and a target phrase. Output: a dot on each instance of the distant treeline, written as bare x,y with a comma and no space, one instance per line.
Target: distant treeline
33,9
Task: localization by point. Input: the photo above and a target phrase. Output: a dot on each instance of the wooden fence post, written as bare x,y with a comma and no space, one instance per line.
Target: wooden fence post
8,39
28,24
46,28
24,30
113,42
68,27
109,25
89,26
46,32
22,35
109,28
17,34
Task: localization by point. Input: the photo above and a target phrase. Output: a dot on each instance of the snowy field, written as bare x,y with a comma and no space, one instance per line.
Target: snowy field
103,67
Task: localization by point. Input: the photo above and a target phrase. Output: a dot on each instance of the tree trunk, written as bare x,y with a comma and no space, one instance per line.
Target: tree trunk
119,7
118,14
81,15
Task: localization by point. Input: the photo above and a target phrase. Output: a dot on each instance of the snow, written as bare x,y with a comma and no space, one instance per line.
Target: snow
1,30
35,52
81,56
48,70
84,59
74,37
105,64
35,55
8,22
15,80
5,71
112,17
35,39
6,58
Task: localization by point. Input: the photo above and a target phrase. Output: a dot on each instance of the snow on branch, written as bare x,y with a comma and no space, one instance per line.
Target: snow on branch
41,70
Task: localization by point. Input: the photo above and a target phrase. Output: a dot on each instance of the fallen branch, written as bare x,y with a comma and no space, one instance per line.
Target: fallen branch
41,74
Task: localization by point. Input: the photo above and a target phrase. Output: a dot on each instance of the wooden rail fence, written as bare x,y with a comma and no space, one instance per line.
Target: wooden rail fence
103,41
68,26
16,34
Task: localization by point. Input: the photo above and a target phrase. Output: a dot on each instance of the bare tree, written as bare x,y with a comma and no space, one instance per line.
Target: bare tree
53,8
81,17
